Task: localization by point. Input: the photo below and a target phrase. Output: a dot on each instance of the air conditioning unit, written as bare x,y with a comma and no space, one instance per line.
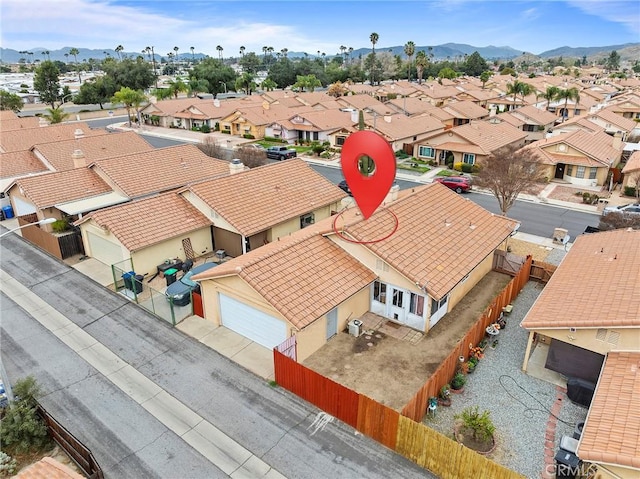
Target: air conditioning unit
355,327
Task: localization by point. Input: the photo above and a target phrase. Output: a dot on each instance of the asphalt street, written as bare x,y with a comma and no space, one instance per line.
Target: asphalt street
126,440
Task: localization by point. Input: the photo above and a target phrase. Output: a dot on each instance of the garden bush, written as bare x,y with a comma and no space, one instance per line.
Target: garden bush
249,136
480,424
59,226
458,166
466,168
630,191
205,129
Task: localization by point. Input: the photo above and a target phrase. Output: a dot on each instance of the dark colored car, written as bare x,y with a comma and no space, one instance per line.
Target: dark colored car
458,184
180,291
345,187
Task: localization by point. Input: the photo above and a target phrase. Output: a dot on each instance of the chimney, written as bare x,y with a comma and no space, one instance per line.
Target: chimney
78,158
392,195
235,166
617,141
78,134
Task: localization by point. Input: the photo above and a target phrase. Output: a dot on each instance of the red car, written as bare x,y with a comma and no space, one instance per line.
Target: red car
458,184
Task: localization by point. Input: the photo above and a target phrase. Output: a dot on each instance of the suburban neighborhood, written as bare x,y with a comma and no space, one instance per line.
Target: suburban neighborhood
205,197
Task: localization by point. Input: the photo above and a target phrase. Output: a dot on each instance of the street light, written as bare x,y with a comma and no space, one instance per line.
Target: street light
46,221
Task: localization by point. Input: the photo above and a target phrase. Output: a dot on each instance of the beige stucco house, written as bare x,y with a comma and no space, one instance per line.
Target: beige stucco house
314,282
631,171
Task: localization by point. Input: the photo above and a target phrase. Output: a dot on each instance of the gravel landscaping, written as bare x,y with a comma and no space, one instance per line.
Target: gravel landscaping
519,404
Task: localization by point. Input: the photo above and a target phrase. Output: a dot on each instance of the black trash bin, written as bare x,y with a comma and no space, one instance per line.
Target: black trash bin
567,464
137,283
128,280
171,275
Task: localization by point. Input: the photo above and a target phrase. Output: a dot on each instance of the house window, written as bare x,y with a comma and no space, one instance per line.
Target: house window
426,152
416,304
380,292
529,128
398,297
340,140
592,172
580,172
469,158
569,170
315,135
306,220
436,305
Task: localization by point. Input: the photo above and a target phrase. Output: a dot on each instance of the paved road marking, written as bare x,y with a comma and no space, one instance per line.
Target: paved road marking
225,453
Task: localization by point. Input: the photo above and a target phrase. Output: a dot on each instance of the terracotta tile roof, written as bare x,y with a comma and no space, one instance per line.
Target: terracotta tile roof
611,433
466,109
609,116
597,146
19,123
361,102
258,115
595,286
159,170
511,119
633,163
20,163
59,153
431,220
146,222
413,106
48,468
399,126
461,147
24,139
260,198
488,135
321,120
61,187
436,91
302,276
7,115
313,98
535,116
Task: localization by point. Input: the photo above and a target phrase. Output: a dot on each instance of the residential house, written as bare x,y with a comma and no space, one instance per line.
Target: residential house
586,322
534,121
470,143
364,103
262,205
462,112
627,105
411,106
580,158
311,125
252,122
631,171
210,113
613,123
148,231
18,164
438,95
11,124
316,280
25,139
163,169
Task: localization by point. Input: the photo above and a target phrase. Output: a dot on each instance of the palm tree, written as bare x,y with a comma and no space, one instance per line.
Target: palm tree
175,49
350,52
264,51
129,98
152,57
422,61
518,88
566,95
284,52
219,48
66,57
193,58
374,37
75,52
409,50
430,50
550,94
119,48
242,50
55,115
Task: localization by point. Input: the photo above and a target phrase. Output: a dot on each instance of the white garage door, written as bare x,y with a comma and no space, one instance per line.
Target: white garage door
103,250
252,323
23,207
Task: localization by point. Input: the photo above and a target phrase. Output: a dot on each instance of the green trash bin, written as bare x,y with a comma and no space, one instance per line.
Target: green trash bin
170,275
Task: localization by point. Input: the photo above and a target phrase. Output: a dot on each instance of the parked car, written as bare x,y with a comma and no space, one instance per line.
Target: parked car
630,209
253,146
345,187
180,291
280,153
458,184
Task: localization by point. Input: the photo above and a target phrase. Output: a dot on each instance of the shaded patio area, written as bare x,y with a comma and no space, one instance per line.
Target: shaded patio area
391,370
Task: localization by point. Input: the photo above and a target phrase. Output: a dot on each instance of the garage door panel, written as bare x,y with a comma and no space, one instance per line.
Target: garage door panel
251,323
103,250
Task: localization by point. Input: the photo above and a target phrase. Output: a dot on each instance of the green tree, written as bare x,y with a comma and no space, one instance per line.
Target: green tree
197,86
10,101
55,115
613,60
99,91
46,82
268,84
176,86
550,94
75,52
409,50
250,62
306,82
283,73
215,73
135,74
246,82
518,88
475,65
447,73
422,61
130,99
484,77
566,95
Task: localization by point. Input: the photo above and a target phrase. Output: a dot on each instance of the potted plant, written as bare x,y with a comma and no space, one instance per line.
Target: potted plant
471,364
444,397
475,430
458,382
494,345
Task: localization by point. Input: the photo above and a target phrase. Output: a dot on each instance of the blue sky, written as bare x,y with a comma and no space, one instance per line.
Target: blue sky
533,26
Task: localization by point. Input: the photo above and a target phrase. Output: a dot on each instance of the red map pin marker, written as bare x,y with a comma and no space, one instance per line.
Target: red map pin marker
368,191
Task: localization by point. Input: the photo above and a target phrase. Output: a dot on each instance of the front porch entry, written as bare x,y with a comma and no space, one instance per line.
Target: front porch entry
559,171
399,305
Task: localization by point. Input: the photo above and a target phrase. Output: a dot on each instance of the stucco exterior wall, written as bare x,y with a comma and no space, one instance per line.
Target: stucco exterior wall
94,229
311,338
586,338
475,276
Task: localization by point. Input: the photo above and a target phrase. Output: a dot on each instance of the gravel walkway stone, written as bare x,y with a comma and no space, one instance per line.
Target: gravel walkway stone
520,405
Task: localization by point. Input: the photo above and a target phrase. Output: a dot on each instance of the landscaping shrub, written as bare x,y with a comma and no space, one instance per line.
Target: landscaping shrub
629,191
205,129
249,136
59,226
466,168
586,197
458,166
8,465
401,154
480,424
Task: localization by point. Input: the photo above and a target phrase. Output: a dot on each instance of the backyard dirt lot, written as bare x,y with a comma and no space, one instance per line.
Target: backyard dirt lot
391,370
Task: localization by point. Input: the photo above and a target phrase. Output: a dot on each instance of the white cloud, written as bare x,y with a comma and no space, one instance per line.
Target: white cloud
531,14
625,12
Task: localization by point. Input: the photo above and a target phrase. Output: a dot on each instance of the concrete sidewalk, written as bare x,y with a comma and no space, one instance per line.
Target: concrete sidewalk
221,450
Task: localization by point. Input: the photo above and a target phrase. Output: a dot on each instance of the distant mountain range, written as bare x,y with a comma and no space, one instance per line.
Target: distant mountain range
453,51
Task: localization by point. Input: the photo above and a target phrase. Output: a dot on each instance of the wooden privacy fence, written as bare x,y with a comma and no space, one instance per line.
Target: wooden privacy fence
62,247
77,451
443,456
417,406
541,271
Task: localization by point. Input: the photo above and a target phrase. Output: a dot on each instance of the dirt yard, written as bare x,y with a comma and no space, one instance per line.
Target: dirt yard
390,370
